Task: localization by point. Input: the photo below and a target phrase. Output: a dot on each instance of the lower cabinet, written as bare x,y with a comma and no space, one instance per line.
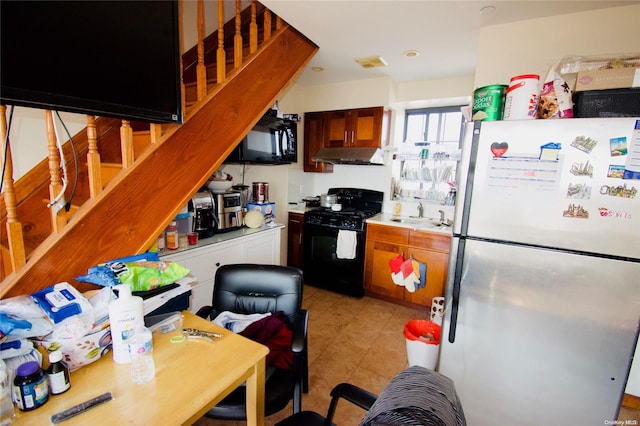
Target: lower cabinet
294,240
204,261
386,242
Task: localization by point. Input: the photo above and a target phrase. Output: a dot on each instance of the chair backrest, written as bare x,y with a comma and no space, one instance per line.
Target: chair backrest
417,395
251,288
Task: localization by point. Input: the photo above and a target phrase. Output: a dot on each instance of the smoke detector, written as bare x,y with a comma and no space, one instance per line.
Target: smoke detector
371,62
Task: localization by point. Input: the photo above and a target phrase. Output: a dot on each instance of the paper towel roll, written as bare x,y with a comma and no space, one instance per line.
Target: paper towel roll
437,310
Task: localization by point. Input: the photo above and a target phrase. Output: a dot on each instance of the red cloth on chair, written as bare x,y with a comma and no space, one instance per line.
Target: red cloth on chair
275,333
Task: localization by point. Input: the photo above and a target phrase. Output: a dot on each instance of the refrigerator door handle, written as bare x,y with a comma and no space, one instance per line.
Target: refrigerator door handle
455,295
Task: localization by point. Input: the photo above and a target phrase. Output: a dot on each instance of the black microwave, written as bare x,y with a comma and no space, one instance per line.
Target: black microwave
271,141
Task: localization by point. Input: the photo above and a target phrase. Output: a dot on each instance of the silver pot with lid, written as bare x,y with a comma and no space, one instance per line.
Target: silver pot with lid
327,200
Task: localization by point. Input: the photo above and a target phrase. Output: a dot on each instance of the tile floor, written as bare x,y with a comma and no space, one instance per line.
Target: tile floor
358,341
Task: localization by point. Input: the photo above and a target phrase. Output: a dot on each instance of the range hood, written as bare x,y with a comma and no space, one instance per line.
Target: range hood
362,155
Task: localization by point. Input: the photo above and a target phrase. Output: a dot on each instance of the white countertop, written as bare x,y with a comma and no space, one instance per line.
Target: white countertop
423,225
224,236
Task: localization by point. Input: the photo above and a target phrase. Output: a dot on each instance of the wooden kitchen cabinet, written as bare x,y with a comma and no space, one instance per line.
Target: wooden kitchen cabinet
294,240
362,127
313,139
386,242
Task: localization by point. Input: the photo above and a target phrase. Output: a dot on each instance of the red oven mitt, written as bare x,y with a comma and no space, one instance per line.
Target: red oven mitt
396,263
396,269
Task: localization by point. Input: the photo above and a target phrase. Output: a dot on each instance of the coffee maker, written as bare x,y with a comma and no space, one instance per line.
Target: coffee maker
203,206
228,211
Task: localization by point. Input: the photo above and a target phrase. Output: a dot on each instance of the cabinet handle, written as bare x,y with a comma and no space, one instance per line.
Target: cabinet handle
353,137
300,239
294,221
346,140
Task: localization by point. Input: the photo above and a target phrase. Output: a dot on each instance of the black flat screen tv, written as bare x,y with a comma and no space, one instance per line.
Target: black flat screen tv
108,58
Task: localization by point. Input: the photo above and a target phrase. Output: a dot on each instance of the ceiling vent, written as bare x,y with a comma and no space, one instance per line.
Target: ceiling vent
371,62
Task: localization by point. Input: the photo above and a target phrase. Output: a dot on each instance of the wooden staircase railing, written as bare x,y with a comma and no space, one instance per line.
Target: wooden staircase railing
124,215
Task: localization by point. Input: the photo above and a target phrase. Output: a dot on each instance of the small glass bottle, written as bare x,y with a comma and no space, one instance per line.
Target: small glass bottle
58,374
172,236
143,368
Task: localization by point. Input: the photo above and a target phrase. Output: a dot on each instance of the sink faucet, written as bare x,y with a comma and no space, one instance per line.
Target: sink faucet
442,218
420,210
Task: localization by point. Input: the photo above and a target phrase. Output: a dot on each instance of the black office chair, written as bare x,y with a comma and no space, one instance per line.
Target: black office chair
250,289
416,396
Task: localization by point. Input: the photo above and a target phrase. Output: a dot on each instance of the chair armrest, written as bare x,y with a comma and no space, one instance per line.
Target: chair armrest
205,312
353,394
299,332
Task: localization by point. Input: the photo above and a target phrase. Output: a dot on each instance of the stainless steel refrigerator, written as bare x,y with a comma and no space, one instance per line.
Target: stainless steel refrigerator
543,291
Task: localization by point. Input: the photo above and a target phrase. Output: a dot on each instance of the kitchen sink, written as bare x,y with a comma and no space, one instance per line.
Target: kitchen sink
421,222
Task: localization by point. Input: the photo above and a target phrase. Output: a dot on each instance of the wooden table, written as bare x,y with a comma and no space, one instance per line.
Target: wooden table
191,377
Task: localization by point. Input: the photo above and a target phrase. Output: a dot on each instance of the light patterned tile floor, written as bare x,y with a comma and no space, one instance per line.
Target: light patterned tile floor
359,341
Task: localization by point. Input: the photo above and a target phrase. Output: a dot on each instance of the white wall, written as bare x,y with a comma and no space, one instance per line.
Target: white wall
28,136
534,46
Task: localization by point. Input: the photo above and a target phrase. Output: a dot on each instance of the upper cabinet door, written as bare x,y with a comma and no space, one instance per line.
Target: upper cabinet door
369,127
362,127
313,140
337,129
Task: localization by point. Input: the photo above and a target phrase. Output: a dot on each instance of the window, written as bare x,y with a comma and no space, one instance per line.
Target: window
434,125
428,158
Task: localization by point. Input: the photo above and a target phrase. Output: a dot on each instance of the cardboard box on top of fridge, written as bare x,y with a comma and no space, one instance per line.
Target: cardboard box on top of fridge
600,72
615,78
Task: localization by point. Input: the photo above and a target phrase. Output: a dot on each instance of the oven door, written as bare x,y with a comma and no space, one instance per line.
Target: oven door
322,267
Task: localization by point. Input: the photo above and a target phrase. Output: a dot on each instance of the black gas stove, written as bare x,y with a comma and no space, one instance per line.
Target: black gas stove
357,205
325,263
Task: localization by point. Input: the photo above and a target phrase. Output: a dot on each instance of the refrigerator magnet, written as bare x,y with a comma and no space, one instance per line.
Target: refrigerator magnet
579,191
550,151
618,146
581,169
498,149
576,211
584,144
615,171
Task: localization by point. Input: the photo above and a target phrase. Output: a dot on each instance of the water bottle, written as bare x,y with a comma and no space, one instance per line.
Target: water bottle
140,343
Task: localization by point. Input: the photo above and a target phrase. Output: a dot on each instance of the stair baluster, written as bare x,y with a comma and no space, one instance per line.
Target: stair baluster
201,69
56,199
266,26
253,29
93,158
221,55
237,40
155,130
126,144
14,227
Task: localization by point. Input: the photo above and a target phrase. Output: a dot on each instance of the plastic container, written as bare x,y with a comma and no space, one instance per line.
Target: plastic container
125,314
6,404
521,101
58,374
31,389
143,368
423,343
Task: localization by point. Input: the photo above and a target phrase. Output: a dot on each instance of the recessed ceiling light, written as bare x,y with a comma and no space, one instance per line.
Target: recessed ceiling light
487,10
317,69
411,53
371,62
